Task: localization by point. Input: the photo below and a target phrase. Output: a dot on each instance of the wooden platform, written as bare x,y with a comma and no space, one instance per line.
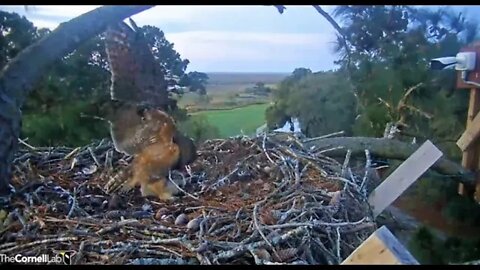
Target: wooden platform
382,247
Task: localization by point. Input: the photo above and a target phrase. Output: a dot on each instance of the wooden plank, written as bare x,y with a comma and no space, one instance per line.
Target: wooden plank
470,156
471,134
405,175
382,247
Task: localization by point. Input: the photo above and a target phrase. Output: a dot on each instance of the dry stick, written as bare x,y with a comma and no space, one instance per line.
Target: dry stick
202,259
255,222
239,250
26,144
179,188
265,149
314,223
73,152
368,164
166,249
94,157
344,180
116,225
298,174
80,253
73,206
323,137
338,245
345,163
330,149
39,242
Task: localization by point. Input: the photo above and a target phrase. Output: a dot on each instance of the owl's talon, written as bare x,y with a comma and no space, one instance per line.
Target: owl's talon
166,197
188,169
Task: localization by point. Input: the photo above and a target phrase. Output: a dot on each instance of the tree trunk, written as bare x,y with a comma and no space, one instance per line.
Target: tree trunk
389,149
21,74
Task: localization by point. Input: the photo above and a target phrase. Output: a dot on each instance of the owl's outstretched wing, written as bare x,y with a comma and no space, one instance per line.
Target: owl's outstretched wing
136,77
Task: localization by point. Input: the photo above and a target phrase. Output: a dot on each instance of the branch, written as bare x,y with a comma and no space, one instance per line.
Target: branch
389,149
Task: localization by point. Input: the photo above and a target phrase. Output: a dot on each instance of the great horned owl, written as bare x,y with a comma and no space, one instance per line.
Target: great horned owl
139,124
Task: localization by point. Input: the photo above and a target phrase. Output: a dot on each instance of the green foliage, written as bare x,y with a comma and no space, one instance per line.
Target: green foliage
424,247
323,102
171,60
463,209
390,49
197,82
276,116
199,128
259,89
67,91
16,33
75,83
429,249
63,125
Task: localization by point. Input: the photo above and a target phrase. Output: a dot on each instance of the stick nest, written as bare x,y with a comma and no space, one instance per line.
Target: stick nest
262,200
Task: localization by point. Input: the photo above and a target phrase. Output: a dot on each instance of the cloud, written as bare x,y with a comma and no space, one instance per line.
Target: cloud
251,51
226,38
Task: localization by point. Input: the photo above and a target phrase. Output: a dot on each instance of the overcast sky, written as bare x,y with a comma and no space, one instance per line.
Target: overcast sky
230,38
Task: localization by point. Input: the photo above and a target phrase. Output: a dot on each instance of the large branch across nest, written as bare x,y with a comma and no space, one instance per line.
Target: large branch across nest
390,149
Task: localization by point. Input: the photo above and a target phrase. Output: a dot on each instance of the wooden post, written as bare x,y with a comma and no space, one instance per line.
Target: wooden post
382,247
469,142
470,159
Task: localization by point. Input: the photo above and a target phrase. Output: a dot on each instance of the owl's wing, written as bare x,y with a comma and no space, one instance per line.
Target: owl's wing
136,77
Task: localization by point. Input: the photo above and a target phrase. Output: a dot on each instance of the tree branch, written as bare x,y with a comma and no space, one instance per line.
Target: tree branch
23,72
389,149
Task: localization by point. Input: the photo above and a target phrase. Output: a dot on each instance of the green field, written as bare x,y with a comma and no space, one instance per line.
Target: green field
221,88
232,122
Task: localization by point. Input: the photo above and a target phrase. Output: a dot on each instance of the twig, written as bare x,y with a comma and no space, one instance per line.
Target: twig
323,137
39,242
368,165
94,157
339,257
265,149
26,144
257,227
179,188
116,226
345,163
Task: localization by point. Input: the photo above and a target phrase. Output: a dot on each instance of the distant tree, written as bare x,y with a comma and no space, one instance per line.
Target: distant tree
196,81
299,73
259,89
16,33
323,103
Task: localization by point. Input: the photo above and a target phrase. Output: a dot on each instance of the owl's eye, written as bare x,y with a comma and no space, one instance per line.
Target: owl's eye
141,111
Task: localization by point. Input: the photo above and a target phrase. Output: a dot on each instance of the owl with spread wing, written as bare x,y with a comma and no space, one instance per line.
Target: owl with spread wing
136,111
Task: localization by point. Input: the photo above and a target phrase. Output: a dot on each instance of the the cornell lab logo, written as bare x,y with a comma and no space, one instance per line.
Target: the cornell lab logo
67,256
